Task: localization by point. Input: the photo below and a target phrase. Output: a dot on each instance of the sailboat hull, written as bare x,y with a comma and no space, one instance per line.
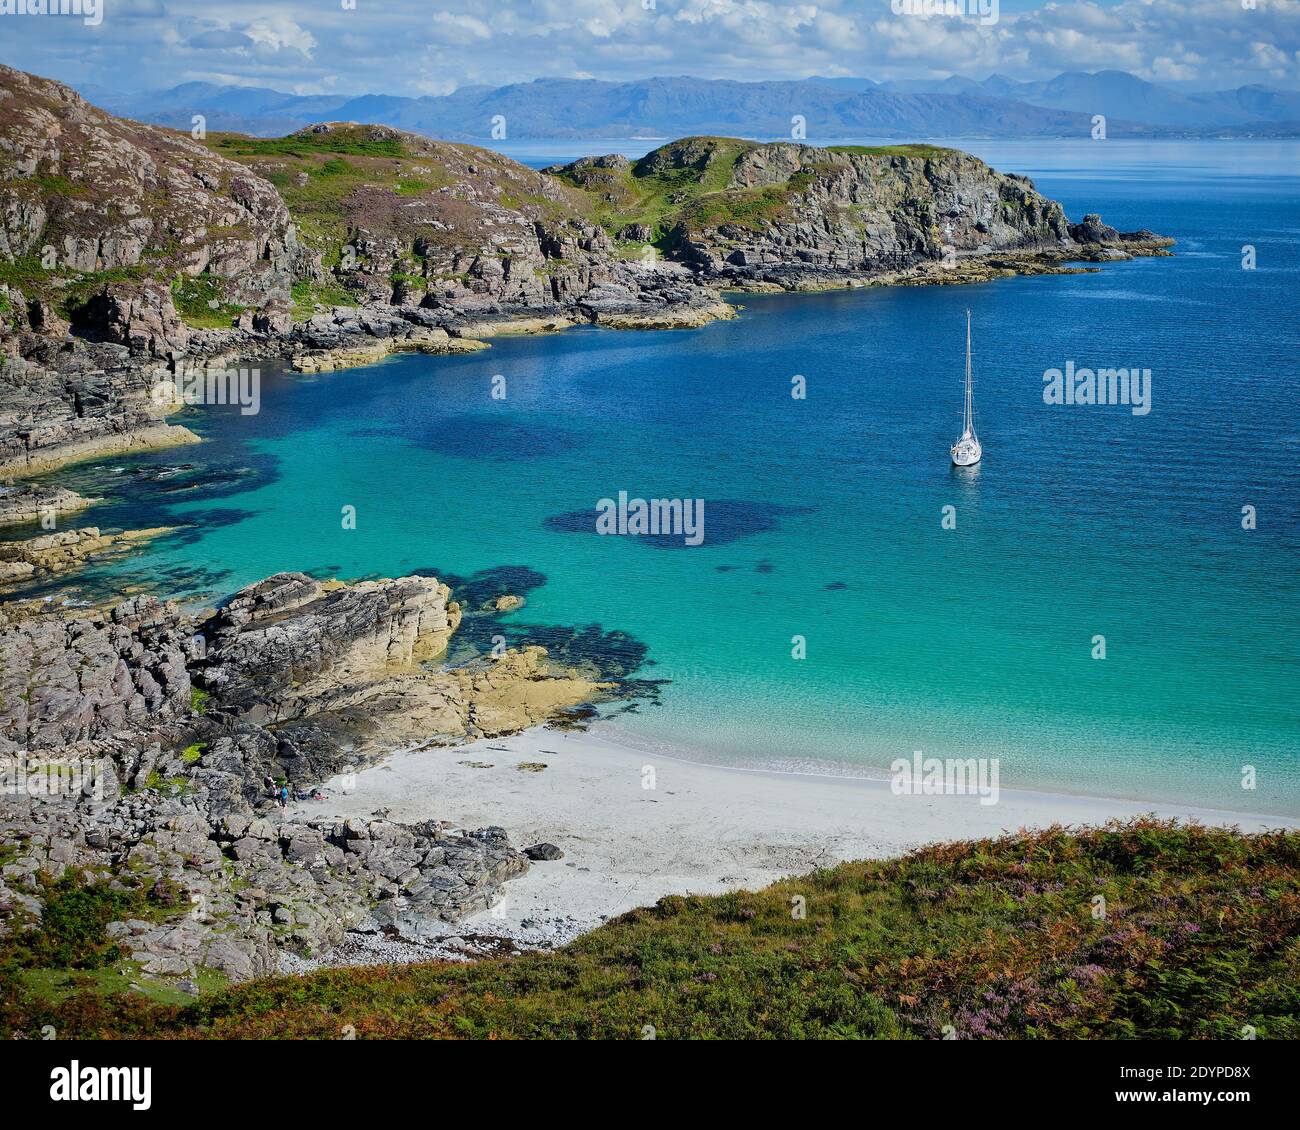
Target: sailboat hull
966,451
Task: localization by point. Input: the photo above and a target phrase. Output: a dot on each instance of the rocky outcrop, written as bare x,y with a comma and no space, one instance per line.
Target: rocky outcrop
291,645
32,502
75,683
62,550
57,406
174,724
801,217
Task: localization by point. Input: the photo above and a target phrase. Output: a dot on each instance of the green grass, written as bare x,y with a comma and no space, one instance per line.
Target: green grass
78,907
174,785
989,939
34,281
69,956
57,985
308,295
351,142
922,151
194,300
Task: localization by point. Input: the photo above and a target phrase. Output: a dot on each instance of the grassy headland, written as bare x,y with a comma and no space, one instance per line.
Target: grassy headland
1145,930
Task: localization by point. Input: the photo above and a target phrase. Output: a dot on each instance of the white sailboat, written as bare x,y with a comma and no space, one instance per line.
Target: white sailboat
966,451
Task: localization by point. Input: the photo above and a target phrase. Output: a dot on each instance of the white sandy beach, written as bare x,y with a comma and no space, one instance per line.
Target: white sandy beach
701,829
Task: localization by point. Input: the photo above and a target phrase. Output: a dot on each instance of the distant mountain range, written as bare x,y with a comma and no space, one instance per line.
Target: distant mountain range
997,107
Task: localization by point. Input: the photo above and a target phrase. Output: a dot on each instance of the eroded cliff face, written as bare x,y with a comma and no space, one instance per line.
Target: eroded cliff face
862,211
98,215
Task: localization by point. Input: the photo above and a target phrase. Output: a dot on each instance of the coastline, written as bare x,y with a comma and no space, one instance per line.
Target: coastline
703,829
357,336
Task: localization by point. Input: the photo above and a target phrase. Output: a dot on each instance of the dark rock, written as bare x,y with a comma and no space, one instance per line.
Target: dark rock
1092,230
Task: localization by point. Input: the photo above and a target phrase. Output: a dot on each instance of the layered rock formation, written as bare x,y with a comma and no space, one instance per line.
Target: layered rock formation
58,404
58,552
32,502
161,731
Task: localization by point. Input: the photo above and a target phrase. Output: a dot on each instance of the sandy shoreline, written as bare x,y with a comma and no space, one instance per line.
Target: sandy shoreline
701,829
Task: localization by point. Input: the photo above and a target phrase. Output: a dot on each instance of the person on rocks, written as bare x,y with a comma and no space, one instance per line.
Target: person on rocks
284,796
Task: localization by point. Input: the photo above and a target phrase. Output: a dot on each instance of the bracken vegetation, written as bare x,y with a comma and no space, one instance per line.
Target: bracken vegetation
1138,930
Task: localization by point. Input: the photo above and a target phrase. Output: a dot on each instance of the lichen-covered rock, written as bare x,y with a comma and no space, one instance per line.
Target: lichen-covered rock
69,681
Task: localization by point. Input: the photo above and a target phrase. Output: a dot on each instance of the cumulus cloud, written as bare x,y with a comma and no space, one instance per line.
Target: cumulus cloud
432,46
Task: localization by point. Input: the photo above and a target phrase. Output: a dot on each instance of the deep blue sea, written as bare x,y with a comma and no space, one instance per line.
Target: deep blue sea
823,515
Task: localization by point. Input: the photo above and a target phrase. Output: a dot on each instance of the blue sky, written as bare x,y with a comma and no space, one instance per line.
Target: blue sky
432,46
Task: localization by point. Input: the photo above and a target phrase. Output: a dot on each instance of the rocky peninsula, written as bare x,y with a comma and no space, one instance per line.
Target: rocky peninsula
131,255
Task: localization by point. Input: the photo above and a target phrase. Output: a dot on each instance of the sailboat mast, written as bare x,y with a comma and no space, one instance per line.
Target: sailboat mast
969,421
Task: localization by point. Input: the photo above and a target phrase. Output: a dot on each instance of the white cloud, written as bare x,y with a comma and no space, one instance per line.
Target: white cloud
425,46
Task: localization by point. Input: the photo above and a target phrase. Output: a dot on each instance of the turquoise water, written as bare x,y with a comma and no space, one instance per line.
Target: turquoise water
822,516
